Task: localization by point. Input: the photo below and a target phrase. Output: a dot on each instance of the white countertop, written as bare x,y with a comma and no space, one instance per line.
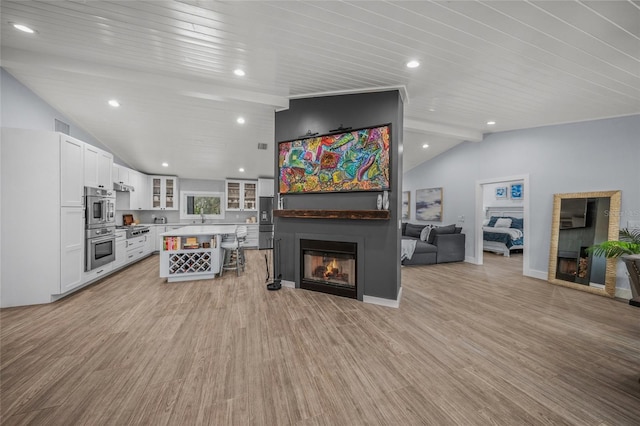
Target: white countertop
189,230
200,224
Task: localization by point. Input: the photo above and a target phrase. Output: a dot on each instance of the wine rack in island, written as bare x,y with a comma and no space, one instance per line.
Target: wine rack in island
189,257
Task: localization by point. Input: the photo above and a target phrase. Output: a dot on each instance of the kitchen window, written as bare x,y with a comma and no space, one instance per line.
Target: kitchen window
201,204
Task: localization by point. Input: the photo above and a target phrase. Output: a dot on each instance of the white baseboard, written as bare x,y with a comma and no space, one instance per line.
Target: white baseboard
623,293
390,303
288,284
541,275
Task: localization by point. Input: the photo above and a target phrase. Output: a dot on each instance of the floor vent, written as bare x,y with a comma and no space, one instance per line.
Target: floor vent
262,146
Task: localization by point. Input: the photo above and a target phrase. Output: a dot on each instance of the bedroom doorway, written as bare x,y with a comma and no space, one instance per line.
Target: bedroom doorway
503,197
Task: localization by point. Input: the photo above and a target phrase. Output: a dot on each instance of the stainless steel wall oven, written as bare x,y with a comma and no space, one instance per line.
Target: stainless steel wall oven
100,235
101,207
100,247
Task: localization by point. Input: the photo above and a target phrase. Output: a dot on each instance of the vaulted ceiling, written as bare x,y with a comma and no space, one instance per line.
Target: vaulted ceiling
171,66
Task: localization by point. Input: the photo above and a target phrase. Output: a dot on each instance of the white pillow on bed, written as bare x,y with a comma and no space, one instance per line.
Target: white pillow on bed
485,222
503,223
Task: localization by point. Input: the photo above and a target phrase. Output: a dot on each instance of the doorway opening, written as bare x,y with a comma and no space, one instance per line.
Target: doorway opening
502,220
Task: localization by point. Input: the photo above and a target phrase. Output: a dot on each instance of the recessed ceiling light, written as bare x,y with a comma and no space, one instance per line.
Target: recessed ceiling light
491,123
425,146
23,28
413,64
241,170
239,72
240,120
165,164
114,103
432,110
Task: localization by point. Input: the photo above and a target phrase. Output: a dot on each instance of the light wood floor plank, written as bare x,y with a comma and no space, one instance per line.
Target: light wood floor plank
469,345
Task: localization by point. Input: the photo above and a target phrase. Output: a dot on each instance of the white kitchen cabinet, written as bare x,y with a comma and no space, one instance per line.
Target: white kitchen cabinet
139,198
98,166
164,192
71,172
150,244
265,187
121,174
252,236
71,248
121,249
27,159
136,248
97,273
30,164
242,195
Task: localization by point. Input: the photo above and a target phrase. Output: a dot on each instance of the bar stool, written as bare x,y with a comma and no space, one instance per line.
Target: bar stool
233,246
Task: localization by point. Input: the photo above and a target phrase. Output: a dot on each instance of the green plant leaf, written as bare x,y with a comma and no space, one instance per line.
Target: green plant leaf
629,243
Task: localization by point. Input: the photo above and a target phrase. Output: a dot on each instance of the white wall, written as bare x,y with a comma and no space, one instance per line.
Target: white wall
490,200
588,156
23,109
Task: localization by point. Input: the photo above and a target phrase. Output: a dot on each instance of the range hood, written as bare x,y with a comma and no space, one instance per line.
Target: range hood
119,186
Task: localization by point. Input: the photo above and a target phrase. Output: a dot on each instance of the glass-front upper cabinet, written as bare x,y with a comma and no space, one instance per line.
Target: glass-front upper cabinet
242,195
164,190
249,193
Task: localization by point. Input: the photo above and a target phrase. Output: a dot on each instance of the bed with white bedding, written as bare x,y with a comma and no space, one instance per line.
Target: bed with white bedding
503,231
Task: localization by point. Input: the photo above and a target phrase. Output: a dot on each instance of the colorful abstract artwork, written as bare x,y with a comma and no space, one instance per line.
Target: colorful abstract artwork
356,160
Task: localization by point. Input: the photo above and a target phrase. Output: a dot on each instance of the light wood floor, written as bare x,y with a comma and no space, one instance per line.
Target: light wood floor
469,345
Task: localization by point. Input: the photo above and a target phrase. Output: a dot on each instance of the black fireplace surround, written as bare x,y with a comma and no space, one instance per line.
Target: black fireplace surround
329,267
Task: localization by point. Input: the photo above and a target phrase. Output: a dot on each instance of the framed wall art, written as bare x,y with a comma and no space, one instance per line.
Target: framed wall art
406,205
355,160
517,191
429,204
501,192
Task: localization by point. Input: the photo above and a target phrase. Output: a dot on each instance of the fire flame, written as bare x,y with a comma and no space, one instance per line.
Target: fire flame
331,268
333,264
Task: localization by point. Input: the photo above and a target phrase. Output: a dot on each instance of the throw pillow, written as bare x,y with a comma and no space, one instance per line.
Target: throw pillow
503,223
492,221
485,222
413,230
424,235
404,228
458,230
517,223
439,230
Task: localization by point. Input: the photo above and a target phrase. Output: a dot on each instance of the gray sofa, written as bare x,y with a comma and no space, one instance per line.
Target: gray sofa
437,245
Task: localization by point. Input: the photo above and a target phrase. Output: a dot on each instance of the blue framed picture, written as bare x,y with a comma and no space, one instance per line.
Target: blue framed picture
517,191
501,192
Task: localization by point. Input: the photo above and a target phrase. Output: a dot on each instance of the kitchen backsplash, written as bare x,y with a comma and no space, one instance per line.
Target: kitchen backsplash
173,216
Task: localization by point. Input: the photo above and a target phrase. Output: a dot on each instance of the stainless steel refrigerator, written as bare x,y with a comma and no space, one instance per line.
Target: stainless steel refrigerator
265,227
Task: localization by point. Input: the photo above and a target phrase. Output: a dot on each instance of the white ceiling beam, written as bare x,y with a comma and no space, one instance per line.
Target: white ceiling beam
414,125
212,90
401,88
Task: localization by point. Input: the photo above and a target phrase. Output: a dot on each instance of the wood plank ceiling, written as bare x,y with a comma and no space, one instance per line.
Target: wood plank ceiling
170,64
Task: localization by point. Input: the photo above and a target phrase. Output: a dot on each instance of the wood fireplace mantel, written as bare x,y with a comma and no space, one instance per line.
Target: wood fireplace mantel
334,214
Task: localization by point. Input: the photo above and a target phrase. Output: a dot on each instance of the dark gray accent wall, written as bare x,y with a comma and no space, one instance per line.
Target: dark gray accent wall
381,238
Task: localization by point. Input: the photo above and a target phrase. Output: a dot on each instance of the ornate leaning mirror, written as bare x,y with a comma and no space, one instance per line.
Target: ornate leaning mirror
581,220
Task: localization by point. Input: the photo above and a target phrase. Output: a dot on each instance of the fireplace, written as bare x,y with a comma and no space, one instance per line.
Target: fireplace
573,266
329,267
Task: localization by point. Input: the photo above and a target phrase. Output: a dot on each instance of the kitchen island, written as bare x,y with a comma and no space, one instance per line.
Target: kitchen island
192,252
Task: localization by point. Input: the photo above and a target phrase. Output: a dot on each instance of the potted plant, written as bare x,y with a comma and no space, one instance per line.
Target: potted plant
627,248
